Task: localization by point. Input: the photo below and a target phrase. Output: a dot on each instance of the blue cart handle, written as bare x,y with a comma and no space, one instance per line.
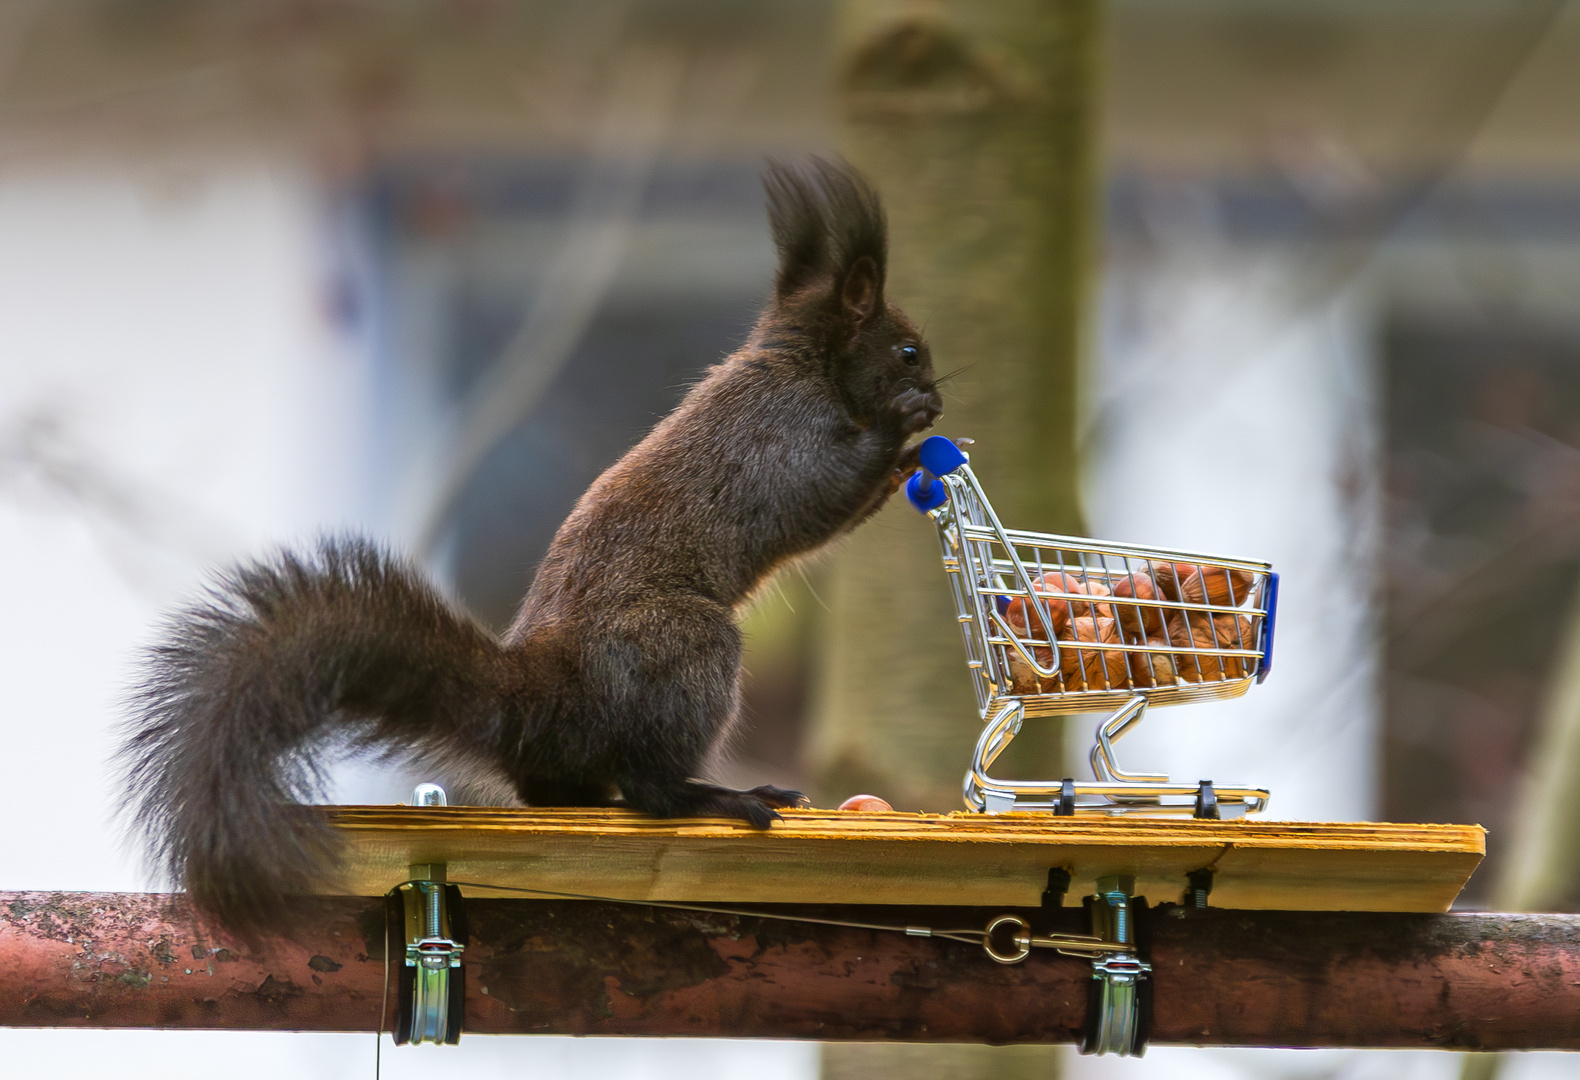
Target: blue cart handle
940,457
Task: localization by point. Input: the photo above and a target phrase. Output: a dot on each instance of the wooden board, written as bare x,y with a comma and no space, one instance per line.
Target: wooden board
825,856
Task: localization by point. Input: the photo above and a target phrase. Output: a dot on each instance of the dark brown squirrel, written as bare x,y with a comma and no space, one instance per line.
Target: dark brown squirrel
621,671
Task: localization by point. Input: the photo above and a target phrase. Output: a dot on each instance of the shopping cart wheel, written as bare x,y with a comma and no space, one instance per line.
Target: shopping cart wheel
1206,802
1066,807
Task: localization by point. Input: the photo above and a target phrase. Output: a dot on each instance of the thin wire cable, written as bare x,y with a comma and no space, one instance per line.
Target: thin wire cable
968,936
965,935
384,1004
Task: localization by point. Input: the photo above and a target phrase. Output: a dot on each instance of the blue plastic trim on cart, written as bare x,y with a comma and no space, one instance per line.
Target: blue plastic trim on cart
1267,627
939,457
925,492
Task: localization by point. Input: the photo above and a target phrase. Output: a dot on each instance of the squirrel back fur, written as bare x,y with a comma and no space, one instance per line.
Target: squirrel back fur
620,672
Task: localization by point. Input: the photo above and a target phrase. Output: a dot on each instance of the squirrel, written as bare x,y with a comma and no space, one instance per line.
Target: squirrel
621,671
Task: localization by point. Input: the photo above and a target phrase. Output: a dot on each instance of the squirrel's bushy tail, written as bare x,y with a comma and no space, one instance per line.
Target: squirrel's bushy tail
284,655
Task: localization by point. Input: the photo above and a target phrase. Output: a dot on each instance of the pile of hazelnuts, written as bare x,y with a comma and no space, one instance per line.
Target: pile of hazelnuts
1082,610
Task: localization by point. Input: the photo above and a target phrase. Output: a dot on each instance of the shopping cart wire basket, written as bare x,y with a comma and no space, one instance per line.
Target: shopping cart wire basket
1059,625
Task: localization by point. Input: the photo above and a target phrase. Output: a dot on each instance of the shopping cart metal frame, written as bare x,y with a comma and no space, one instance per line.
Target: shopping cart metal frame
989,567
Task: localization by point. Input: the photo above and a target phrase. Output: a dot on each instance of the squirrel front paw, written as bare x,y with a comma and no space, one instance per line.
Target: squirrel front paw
917,410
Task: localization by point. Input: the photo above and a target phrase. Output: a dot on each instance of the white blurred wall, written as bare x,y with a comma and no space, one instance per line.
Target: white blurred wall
1235,414
1187,1063
70,1054
171,397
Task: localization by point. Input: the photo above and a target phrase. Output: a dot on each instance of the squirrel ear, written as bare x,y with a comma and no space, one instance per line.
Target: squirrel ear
858,293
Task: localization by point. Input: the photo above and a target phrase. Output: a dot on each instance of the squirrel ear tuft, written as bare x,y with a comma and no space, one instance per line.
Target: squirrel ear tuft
858,293
827,221
799,230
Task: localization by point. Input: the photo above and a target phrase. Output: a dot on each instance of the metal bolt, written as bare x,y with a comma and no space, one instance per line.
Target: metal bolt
1115,890
1120,903
1198,886
430,895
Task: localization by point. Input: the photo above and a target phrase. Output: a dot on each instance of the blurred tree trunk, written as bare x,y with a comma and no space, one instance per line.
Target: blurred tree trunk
1543,869
977,124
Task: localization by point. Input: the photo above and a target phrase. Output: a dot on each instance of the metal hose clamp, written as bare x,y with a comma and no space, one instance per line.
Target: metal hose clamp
1117,1012
430,917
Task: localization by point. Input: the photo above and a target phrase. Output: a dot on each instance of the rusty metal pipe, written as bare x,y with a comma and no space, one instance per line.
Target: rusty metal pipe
1253,978
1289,978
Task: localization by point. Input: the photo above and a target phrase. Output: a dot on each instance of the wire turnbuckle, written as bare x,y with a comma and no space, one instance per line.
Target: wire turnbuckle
1083,945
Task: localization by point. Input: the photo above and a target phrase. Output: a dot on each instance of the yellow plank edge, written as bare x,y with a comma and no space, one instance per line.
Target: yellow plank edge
833,857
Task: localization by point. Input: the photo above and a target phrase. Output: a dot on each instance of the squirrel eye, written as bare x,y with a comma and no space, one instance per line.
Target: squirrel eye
910,354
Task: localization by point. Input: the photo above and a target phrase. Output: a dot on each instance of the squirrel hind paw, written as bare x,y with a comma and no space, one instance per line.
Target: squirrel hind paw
747,806
756,807
779,797
761,805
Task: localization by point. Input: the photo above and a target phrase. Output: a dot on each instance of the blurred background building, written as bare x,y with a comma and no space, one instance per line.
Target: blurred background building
1291,280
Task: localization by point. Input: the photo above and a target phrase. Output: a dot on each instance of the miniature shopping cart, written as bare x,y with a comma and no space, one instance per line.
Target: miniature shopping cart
1057,625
